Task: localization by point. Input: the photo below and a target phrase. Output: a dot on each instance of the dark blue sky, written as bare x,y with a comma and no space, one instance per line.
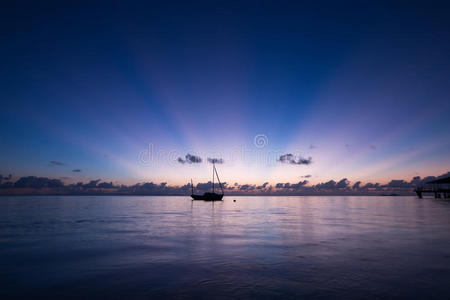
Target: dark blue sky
93,84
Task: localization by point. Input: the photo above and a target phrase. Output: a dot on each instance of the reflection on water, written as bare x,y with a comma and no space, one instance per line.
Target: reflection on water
256,247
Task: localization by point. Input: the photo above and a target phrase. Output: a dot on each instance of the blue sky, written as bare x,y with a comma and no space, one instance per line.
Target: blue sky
361,88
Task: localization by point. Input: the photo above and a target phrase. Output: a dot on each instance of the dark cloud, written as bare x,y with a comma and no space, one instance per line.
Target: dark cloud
294,186
77,171
33,184
299,185
371,186
416,181
215,160
56,163
306,176
398,184
5,177
37,182
332,185
286,157
91,184
329,185
291,159
356,186
106,185
6,184
190,159
150,188
204,186
342,184
247,187
373,147
263,186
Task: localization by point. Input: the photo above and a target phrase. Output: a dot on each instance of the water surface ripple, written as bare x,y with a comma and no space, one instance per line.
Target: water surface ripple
256,247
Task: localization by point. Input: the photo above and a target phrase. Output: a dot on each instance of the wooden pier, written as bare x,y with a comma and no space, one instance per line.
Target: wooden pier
440,188
438,193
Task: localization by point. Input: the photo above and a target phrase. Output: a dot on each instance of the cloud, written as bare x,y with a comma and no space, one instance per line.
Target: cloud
150,188
299,185
356,186
286,157
342,184
247,187
76,170
332,185
291,159
215,160
416,181
263,186
373,147
5,177
204,186
56,163
207,186
312,147
91,184
43,185
397,184
106,185
371,186
306,176
190,159
329,185
38,182
294,186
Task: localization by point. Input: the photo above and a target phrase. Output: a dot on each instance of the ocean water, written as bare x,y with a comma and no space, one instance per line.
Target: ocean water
257,247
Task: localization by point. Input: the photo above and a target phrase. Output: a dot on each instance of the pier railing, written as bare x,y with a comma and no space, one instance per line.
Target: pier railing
439,192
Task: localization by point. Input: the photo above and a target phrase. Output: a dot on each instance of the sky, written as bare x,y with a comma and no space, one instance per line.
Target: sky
280,91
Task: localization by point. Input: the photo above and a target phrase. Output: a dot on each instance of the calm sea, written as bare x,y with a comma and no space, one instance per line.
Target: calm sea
256,247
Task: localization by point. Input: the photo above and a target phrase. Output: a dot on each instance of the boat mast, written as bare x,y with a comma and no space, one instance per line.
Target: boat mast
192,187
213,176
218,179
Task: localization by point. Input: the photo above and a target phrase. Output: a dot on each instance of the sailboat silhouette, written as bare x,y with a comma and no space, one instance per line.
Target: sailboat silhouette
209,196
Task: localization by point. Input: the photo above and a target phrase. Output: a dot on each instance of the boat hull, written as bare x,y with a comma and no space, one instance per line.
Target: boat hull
208,197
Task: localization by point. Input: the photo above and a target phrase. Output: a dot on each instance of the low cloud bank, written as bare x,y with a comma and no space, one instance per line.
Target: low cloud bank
44,185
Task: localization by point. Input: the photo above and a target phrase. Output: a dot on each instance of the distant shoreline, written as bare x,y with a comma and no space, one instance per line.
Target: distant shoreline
231,195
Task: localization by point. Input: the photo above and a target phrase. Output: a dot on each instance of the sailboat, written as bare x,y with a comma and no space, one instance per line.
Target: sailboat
209,196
